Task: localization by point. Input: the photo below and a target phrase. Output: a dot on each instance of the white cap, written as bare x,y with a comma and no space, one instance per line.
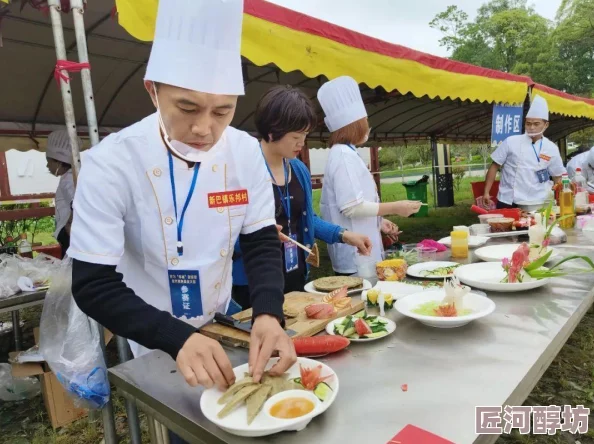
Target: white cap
342,102
197,46
58,146
539,109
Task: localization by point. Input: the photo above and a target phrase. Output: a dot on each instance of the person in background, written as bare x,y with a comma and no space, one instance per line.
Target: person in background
349,195
576,162
59,158
284,116
587,166
527,162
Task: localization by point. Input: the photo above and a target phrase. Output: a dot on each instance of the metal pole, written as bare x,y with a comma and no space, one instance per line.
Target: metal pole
83,57
55,10
16,329
131,410
54,7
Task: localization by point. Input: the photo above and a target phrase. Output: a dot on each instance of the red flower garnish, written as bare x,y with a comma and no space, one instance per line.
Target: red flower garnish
310,378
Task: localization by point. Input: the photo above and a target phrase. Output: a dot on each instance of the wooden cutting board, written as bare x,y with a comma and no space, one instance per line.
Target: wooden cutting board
294,309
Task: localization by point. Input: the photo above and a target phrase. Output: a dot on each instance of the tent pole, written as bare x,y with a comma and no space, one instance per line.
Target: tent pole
83,57
58,31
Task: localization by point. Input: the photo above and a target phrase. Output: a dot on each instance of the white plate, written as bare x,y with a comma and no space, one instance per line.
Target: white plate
480,305
264,424
396,289
309,287
473,241
417,269
496,253
488,276
390,326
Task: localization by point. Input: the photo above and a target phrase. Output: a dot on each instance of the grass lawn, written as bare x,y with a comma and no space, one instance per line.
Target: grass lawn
569,379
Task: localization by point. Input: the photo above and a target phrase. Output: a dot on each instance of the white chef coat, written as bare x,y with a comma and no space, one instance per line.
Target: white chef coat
576,162
64,197
124,213
348,182
519,163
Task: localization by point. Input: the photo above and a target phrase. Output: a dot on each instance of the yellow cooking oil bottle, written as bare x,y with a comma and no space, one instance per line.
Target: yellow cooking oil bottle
567,204
459,245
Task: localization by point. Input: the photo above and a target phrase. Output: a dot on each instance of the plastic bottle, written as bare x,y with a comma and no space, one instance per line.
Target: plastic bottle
566,202
581,188
24,247
459,244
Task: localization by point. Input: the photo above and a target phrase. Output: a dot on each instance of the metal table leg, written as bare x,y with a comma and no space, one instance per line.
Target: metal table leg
131,410
16,328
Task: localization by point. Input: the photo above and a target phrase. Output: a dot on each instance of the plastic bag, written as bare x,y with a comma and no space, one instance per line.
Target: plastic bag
9,275
69,343
557,236
17,389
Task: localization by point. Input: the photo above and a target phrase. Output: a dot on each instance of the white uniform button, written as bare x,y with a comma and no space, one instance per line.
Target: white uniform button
217,285
220,209
214,168
157,172
306,230
168,220
174,261
223,252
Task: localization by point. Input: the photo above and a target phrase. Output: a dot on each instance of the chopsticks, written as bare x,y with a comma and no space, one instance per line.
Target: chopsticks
286,238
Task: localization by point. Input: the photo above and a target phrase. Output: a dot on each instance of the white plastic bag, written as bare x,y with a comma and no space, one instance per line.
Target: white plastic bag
69,343
17,389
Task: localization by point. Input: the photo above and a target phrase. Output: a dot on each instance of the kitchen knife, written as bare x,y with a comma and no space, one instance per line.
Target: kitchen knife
246,326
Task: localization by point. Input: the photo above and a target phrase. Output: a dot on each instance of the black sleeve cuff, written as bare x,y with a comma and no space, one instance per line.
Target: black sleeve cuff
172,335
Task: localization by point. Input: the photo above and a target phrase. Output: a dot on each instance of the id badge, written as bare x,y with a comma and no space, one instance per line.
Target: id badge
291,255
186,298
543,176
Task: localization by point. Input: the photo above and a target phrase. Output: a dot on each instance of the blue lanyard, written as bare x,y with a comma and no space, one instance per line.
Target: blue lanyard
180,221
539,150
353,148
285,198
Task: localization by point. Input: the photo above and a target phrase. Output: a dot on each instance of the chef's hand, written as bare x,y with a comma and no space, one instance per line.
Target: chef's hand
486,201
390,228
362,242
202,361
267,337
406,208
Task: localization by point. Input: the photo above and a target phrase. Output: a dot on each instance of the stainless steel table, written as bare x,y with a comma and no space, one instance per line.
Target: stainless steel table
495,361
14,303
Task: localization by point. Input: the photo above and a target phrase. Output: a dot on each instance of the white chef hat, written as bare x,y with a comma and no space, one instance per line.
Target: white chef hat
197,46
342,102
539,109
58,146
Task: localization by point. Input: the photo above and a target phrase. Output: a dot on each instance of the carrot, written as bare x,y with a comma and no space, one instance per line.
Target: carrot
320,344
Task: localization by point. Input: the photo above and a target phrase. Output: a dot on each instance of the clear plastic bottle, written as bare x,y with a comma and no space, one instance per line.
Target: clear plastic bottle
24,247
581,188
567,204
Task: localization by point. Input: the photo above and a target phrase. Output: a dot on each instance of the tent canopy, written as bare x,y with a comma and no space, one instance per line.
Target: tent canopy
409,95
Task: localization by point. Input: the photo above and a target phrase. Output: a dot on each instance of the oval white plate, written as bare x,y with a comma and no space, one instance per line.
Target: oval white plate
488,276
480,305
309,287
496,253
390,326
263,425
473,241
417,269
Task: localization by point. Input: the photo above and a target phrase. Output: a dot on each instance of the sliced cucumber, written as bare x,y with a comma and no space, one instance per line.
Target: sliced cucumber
323,391
354,336
339,329
378,328
349,331
374,335
297,380
361,314
369,319
382,321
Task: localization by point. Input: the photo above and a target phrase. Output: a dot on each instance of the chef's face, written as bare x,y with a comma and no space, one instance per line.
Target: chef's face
290,145
54,166
536,126
191,117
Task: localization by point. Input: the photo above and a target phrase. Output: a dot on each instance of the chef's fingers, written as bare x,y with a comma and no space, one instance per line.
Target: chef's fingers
188,374
224,365
201,374
288,356
264,354
214,373
253,354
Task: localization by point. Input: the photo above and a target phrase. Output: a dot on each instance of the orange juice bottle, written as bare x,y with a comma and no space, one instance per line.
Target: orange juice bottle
459,244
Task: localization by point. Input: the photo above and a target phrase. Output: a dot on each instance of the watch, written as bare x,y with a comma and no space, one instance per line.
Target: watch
341,235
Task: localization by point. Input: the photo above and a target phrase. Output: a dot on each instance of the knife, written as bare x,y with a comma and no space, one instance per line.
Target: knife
246,326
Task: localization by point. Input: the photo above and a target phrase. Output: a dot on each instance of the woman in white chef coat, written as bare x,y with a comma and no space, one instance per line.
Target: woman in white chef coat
529,163
160,205
59,158
349,195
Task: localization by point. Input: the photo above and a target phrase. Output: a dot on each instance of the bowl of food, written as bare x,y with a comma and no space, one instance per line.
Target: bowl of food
484,218
501,224
391,269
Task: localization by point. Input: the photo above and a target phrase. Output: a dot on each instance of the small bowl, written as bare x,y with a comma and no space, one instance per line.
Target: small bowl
501,224
484,218
426,254
479,229
299,423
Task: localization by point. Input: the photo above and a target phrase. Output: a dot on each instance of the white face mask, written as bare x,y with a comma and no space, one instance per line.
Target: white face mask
535,134
182,150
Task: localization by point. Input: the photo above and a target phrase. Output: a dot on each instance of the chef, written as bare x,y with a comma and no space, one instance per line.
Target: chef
577,161
58,155
160,205
349,195
587,166
528,162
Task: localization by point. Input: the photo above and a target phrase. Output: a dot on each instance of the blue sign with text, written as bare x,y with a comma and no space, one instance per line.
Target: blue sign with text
507,121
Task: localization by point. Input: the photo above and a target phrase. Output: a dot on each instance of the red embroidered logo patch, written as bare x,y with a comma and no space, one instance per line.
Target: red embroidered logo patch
227,198
545,157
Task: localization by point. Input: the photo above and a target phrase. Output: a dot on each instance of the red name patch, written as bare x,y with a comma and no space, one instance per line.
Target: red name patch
545,157
227,198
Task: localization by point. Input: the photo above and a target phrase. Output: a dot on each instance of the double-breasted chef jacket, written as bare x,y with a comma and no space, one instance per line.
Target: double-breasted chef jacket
125,216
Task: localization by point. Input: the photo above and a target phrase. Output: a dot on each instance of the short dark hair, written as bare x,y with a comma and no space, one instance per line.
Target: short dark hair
284,109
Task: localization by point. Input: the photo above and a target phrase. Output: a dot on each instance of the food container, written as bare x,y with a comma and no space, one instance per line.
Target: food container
459,245
391,270
480,229
530,206
484,218
427,254
501,224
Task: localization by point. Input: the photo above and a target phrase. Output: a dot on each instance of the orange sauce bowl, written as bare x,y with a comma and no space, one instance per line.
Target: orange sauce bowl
292,405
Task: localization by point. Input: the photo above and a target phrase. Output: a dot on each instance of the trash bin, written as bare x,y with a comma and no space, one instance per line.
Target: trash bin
417,190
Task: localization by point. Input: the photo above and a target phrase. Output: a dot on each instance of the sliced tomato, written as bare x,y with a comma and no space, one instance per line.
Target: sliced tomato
362,327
